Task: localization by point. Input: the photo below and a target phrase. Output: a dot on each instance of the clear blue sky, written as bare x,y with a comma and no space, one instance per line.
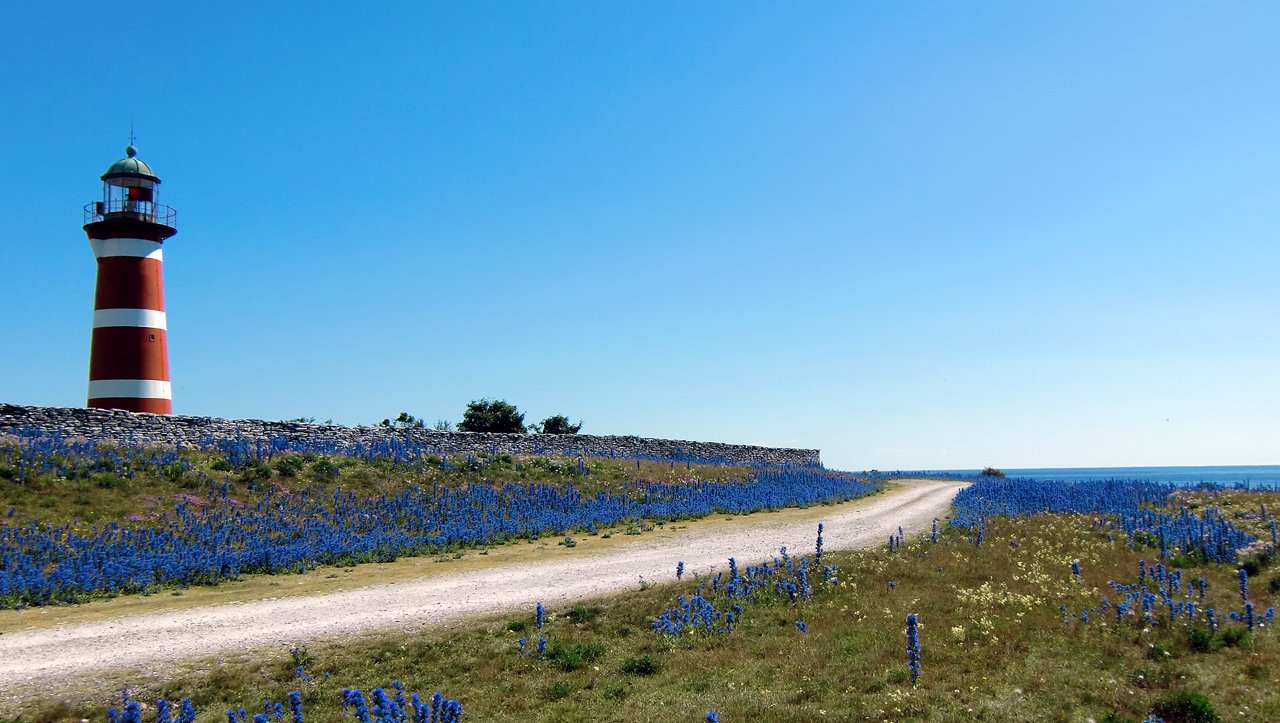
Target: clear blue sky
914,235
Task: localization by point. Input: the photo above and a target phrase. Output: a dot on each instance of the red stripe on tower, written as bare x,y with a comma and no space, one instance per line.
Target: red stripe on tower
129,355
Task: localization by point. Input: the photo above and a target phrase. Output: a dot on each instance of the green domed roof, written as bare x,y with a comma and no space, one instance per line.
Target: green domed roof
130,167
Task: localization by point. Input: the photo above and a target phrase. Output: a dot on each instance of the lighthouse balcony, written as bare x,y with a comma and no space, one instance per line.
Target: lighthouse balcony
131,210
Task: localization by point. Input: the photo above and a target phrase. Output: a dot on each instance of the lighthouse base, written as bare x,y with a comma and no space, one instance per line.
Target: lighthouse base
129,404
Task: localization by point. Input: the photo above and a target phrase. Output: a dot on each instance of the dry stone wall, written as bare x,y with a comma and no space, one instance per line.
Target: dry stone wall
127,427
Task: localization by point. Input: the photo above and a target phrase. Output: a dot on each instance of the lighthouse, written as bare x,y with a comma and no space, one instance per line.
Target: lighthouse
129,356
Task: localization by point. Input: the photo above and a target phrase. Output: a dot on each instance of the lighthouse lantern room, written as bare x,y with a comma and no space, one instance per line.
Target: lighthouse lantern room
129,357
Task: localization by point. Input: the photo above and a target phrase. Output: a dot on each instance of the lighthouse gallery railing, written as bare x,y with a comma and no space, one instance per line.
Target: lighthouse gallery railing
132,210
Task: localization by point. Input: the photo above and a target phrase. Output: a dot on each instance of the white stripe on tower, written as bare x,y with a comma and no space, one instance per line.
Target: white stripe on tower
148,318
139,247
130,388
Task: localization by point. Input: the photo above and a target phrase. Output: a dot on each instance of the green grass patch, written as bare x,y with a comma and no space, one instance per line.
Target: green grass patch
143,487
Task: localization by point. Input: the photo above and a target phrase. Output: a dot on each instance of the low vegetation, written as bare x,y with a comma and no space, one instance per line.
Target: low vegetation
288,511
97,483
999,600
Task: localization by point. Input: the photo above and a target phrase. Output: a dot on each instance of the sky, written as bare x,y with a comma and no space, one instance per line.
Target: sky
918,235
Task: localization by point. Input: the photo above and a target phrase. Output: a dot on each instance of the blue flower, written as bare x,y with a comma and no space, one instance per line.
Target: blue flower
914,660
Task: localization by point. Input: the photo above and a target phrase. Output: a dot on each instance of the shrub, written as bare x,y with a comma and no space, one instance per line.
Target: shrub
641,665
564,657
591,652
1194,558
615,691
255,471
571,657
404,419
1202,640
991,472
108,481
1234,637
557,690
325,468
289,466
484,415
559,424
173,472
1186,707
582,613
1257,563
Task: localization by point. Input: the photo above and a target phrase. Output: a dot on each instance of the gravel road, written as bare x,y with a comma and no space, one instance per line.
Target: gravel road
43,657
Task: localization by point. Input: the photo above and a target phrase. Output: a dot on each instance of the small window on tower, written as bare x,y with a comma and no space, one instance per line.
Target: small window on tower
153,337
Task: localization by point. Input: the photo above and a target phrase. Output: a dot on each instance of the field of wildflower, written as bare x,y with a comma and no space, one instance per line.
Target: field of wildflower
217,530
1111,601
1115,600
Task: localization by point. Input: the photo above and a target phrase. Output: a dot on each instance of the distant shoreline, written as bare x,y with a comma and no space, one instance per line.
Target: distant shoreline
1256,475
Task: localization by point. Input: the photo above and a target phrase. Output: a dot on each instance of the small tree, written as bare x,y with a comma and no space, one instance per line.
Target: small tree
991,472
498,415
559,424
404,420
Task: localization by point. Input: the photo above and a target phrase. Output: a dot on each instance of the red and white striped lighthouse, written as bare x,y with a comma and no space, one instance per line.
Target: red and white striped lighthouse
129,357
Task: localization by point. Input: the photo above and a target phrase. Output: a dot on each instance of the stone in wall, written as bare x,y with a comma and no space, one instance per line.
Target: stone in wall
130,428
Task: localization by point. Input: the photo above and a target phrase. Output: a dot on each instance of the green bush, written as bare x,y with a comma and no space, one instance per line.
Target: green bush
557,690
641,665
1257,563
255,472
559,424
1234,637
484,415
1202,640
108,481
324,468
1186,706
582,613
564,658
404,420
289,465
569,658
173,472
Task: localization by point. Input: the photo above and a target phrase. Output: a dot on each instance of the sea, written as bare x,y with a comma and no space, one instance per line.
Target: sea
1265,475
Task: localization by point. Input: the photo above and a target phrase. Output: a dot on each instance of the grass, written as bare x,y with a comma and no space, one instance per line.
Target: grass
993,642
76,489
332,579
